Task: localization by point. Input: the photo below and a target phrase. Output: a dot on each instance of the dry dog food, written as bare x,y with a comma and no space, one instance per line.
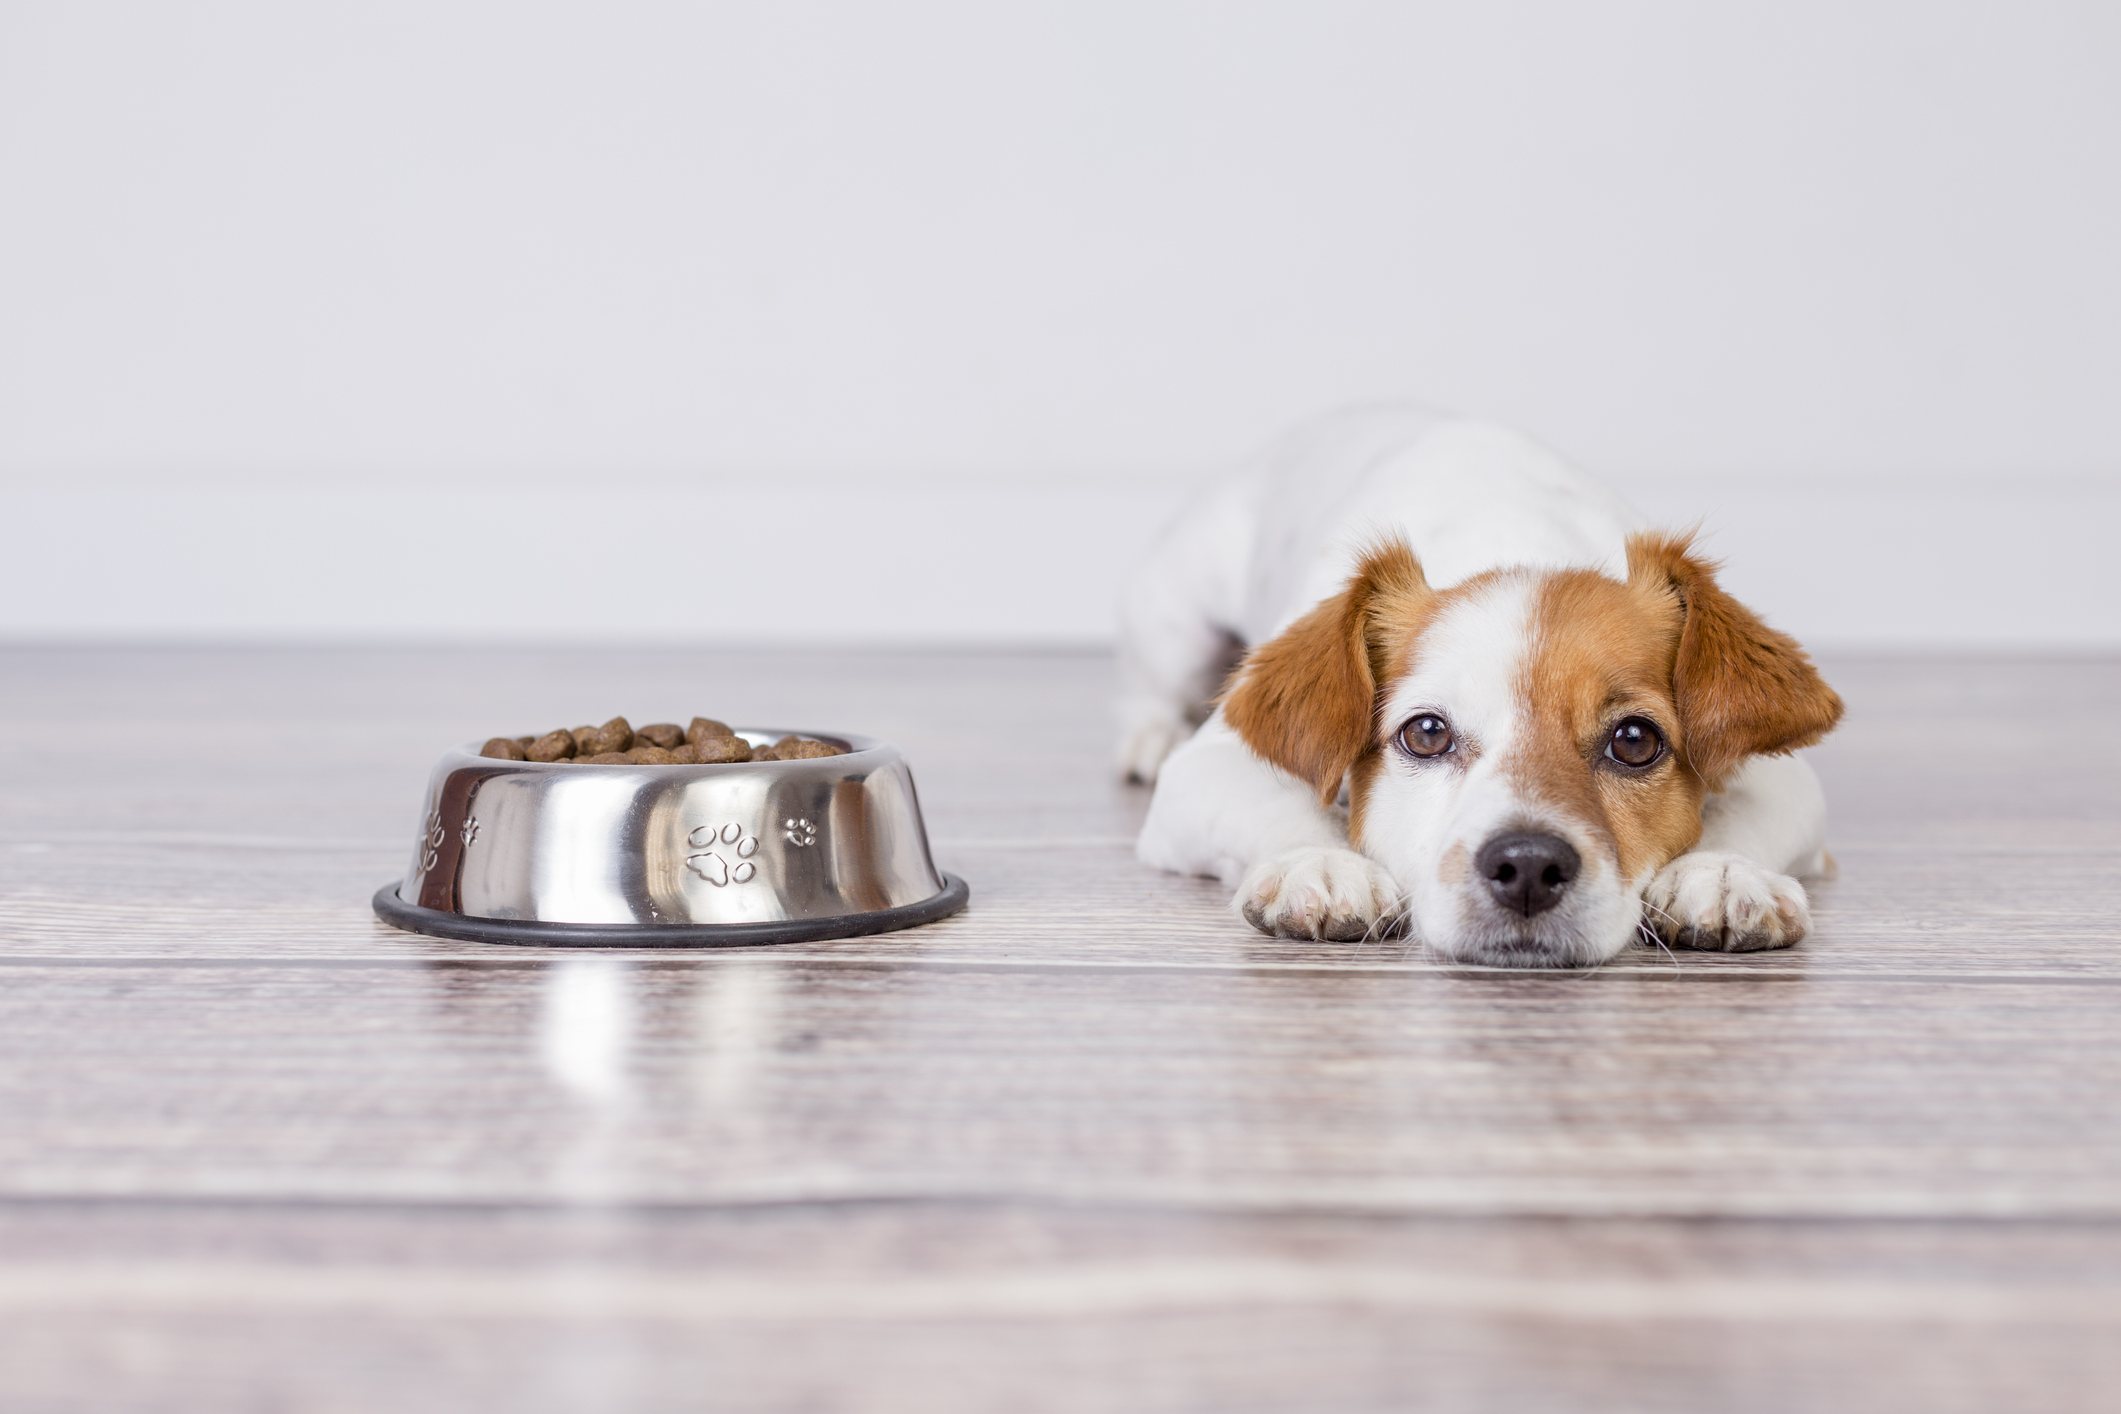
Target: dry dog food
706,742
795,748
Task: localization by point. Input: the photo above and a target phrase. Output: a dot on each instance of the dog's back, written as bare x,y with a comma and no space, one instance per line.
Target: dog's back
1466,495
1261,548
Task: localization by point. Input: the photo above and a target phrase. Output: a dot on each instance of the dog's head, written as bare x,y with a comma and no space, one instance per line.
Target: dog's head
1524,750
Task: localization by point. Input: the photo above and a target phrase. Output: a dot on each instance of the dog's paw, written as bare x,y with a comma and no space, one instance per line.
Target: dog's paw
1725,903
1144,742
1315,892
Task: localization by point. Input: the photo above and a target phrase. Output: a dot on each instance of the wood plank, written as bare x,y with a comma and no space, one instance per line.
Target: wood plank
1930,912
927,1308
1093,1144
750,1079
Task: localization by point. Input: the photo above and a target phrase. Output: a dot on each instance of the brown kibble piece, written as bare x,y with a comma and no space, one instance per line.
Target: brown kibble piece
706,742
706,729
614,735
553,746
716,750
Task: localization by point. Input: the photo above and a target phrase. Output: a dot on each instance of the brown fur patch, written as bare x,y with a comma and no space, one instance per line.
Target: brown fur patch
1602,651
1361,776
1671,646
1306,700
1742,688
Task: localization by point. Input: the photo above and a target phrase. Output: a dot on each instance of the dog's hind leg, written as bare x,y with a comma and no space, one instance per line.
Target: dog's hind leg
1178,635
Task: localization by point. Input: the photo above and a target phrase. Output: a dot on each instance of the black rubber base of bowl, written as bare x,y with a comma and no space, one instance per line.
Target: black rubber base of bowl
437,924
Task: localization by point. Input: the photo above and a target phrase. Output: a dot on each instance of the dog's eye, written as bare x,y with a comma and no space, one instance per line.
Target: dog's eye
1427,735
1635,743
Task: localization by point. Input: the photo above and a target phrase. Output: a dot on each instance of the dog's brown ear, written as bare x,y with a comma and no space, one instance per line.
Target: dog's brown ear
1741,687
1307,699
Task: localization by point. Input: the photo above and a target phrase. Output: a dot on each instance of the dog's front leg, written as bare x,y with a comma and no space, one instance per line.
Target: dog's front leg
1221,810
1735,890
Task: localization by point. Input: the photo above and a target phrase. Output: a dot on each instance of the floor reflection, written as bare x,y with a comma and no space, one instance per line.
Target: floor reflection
736,1015
589,1020
586,1029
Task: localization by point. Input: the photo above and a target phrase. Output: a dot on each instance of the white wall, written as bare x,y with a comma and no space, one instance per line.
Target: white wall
905,322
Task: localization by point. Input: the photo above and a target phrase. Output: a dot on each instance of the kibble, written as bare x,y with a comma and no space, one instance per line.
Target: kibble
715,750
553,746
668,735
706,742
796,748
614,735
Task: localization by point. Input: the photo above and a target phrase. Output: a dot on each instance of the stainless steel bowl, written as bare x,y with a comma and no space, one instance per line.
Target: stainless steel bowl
672,856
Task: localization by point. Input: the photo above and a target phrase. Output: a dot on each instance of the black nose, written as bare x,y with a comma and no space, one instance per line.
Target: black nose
1528,874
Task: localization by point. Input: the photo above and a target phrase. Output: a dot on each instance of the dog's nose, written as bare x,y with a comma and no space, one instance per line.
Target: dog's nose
1528,874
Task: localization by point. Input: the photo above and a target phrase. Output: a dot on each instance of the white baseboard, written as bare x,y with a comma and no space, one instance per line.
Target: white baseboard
1946,567
931,564
2029,565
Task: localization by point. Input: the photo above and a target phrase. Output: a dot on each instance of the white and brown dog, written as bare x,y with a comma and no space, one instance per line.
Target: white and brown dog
1480,703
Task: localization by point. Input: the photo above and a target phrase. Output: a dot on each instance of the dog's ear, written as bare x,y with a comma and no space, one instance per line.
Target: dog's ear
1307,699
1742,688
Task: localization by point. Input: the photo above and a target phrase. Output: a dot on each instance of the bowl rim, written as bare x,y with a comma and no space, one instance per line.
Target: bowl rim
857,745
392,910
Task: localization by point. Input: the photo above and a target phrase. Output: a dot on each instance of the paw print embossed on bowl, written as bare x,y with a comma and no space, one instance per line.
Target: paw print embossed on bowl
725,854
703,855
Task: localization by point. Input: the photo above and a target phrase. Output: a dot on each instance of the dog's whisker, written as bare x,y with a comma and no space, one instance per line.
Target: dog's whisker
1396,916
1674,957
1376,929
1429,951
1653,908
1650,935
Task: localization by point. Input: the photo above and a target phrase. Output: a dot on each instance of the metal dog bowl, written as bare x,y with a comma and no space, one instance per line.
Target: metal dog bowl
672,856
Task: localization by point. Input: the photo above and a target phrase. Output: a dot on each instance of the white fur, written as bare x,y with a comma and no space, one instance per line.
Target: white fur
1264,548
1318,891
1733,891
1421,812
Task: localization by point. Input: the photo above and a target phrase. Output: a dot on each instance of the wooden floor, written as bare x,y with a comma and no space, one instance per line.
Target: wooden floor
1092,1145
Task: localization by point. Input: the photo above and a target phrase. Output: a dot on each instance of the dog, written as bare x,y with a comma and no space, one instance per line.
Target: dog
1477,702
